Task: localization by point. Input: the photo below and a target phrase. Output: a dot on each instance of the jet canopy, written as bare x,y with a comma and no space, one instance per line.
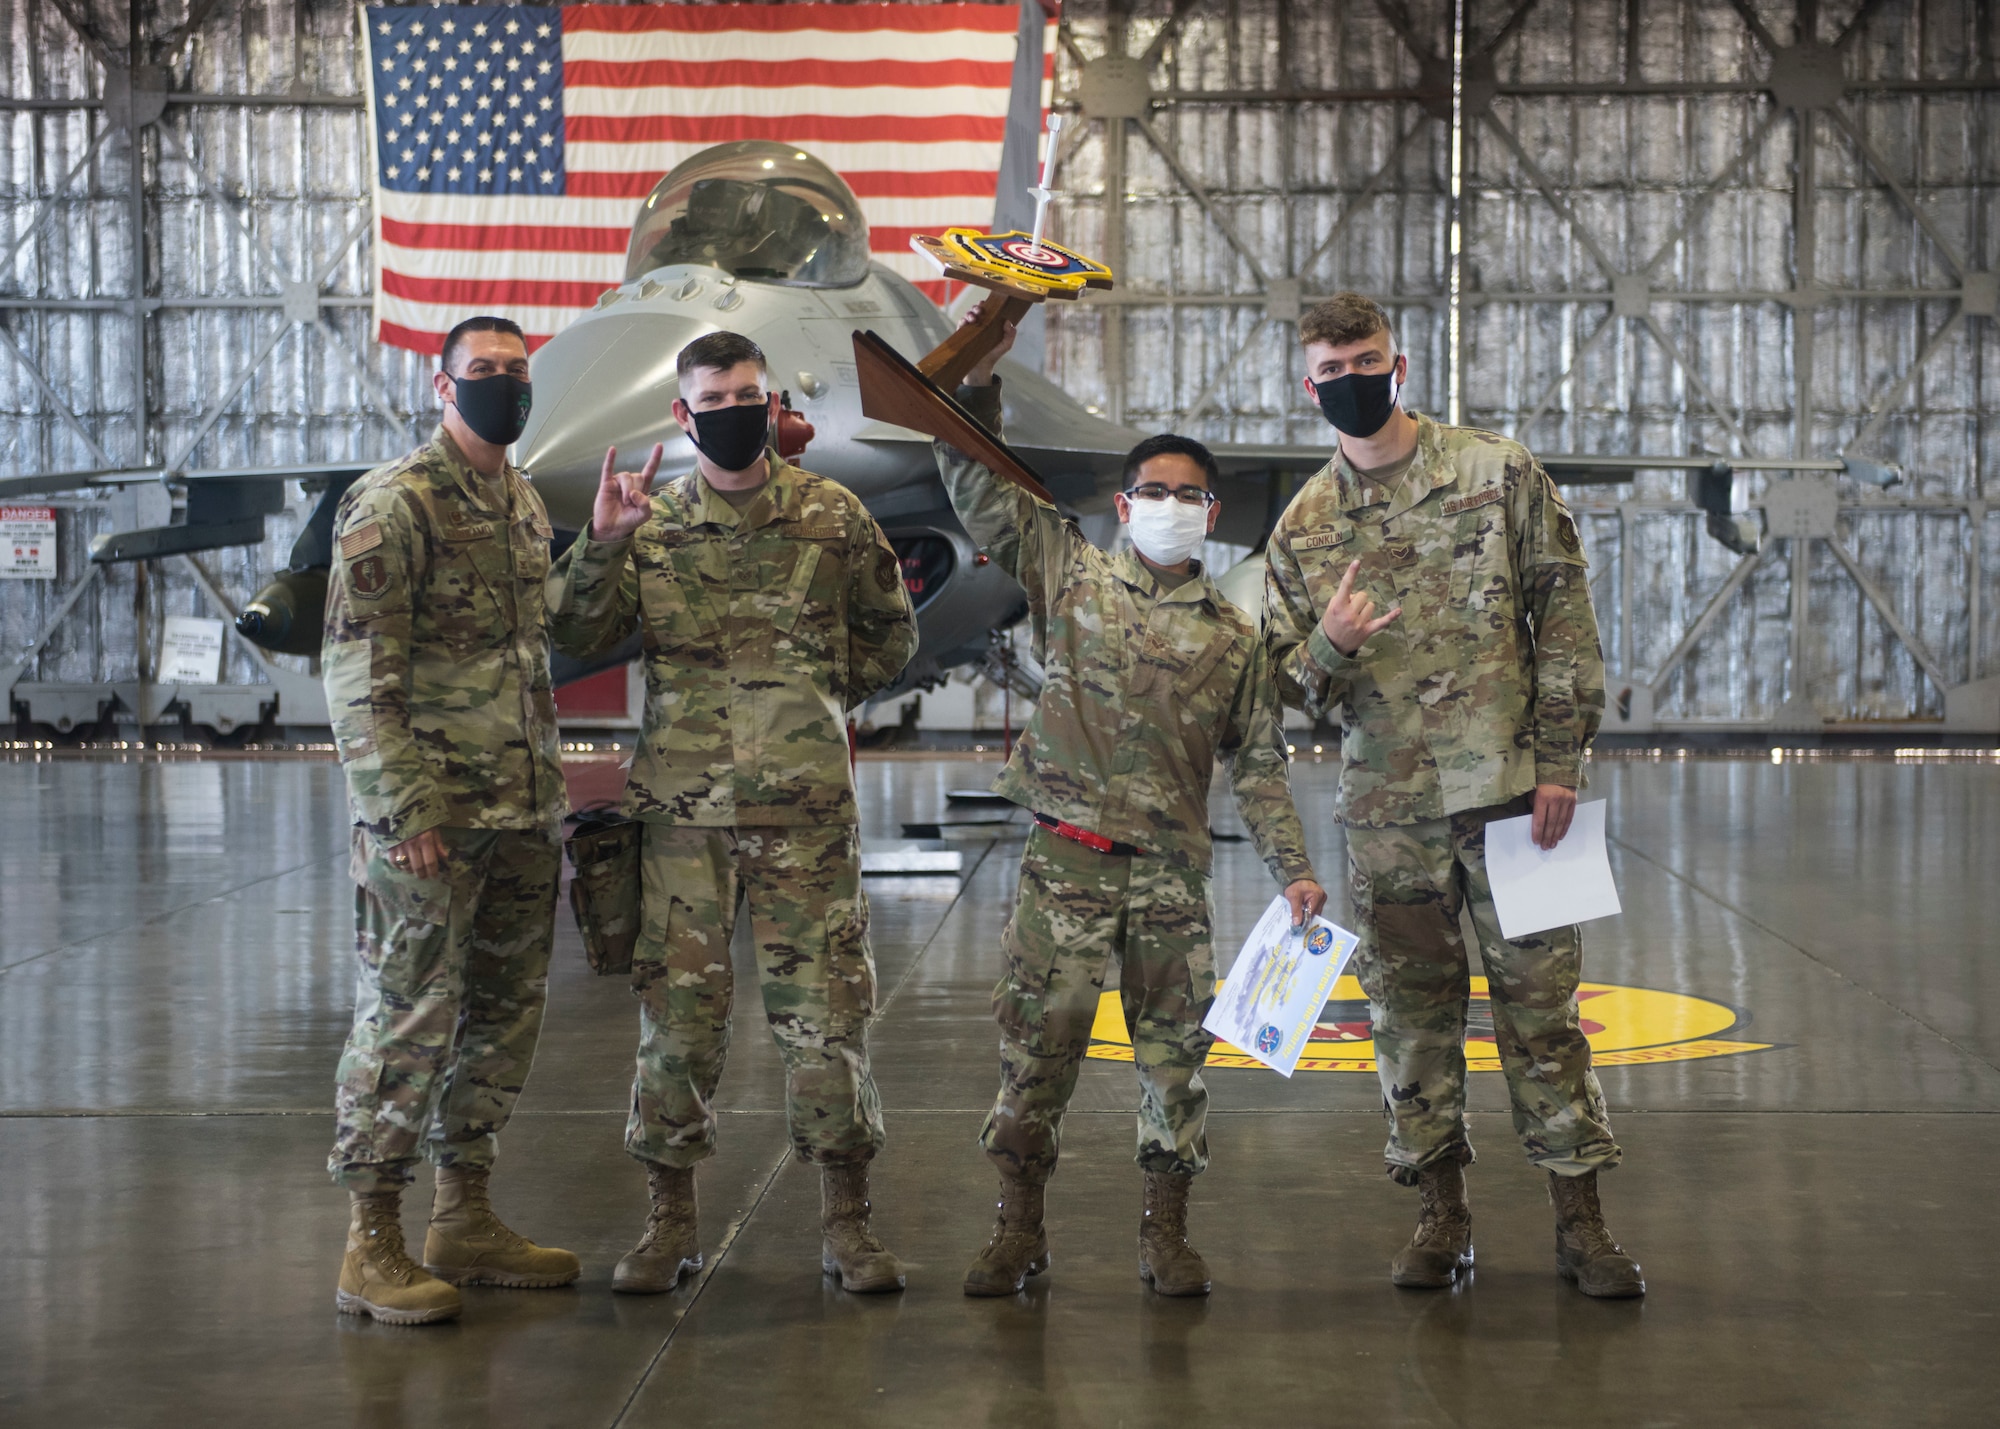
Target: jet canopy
759,210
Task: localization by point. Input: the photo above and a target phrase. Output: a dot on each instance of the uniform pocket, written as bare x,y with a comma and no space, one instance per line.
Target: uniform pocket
1479,551
850,966
1031,944
420,900
604,893
463,594
667,616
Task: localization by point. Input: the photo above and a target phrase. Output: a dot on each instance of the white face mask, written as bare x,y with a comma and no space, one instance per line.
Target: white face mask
1168,532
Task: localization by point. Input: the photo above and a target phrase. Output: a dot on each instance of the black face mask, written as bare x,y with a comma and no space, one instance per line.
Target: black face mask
1359,404
733,437
496,407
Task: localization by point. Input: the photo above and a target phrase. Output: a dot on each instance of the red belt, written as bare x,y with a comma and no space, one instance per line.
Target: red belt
1086,837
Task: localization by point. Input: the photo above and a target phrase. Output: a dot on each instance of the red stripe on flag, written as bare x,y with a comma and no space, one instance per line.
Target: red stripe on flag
936,183
778,74
611,185
529,238
705,19
897,240
491,292
785,129
396,335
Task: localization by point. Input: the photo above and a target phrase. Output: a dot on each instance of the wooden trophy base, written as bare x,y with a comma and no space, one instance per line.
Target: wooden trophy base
894,389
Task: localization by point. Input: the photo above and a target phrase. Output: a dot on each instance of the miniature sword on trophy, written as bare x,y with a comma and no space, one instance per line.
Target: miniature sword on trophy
1022,269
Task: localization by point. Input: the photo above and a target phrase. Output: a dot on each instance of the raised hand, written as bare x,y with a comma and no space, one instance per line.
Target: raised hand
624,498
1350,618
982,374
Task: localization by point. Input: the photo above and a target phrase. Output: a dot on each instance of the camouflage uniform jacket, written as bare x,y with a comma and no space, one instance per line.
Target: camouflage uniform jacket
761,629
1490,681
437,654
1143,687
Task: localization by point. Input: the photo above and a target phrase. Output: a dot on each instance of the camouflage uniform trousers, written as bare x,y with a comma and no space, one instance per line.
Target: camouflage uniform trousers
1077,912
448,1003
809,925
1409,885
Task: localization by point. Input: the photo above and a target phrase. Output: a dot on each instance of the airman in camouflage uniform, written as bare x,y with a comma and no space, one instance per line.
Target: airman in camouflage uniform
770,604
437,678
1151,677
1473,698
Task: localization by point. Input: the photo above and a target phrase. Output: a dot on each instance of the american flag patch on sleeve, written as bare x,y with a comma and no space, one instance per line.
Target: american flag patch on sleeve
361,539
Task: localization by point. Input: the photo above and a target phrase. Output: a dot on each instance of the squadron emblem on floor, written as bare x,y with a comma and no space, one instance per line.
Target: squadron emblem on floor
1626,1026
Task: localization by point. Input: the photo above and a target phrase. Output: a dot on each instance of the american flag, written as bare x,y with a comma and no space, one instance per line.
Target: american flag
513,144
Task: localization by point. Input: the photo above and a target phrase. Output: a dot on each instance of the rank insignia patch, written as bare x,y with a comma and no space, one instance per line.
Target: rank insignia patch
369,576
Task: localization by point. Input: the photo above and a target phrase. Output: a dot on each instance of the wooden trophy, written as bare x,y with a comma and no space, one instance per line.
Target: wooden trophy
1022,269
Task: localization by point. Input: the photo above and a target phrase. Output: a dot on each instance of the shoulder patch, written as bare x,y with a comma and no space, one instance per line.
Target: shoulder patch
1478,498
368,577
1567,534
361,539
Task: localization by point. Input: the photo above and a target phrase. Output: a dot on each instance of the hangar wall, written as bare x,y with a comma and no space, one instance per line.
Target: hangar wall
1660,255
1634,182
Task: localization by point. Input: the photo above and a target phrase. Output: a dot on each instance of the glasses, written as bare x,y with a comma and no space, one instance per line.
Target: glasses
1186,495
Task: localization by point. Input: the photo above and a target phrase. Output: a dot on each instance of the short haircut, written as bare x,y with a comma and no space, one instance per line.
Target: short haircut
1168,444
455,339
1344,318
719,350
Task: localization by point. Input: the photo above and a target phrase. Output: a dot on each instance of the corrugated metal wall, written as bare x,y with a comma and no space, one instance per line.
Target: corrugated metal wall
241,201
1294,149
1287,148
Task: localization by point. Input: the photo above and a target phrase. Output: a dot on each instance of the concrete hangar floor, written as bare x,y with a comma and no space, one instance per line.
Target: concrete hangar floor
1798,1020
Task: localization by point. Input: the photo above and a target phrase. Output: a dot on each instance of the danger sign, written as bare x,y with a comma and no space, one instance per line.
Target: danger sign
28,543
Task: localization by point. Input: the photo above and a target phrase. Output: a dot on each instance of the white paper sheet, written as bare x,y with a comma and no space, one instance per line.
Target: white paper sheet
190,651
1534,890
1272,999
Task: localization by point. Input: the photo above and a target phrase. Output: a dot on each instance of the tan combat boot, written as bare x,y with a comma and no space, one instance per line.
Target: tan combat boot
1019,1248
468,1245
669,1249
1166,1260
849,1251
1586,1255
1442,1245
378,1278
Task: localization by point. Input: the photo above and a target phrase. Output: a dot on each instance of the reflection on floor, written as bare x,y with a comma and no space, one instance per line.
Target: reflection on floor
1815,1218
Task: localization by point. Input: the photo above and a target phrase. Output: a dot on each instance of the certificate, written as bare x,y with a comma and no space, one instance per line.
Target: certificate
1271,1001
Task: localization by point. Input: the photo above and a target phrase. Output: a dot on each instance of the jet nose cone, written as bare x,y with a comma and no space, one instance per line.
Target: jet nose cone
604,382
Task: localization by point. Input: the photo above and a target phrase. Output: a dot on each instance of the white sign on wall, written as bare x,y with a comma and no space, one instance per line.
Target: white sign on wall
28,543
190,651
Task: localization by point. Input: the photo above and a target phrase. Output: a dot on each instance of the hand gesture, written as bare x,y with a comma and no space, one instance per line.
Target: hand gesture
1306,898
1350,616
624,498
982,374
